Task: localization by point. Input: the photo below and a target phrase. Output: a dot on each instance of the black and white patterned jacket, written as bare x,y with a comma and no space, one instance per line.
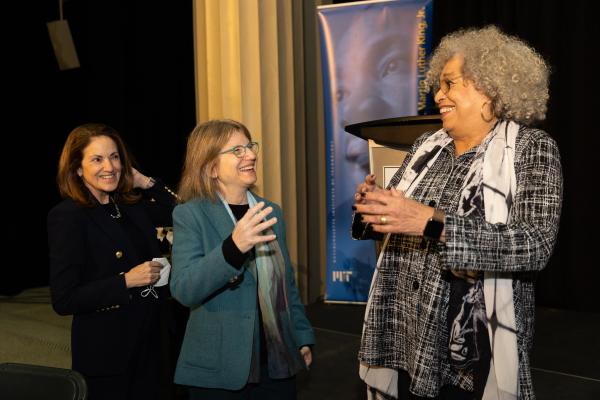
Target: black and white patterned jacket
406,325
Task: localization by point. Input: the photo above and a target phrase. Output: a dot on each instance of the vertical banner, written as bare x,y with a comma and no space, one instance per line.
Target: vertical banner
374,58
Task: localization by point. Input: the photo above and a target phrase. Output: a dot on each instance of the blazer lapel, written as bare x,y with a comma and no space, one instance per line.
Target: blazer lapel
118,235
221,221
218,217
106,224
141,220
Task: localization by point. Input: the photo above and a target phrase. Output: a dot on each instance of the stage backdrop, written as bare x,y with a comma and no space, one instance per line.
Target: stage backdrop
374,58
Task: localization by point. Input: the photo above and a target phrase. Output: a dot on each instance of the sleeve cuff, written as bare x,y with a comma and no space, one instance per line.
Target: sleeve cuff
454,248
232,253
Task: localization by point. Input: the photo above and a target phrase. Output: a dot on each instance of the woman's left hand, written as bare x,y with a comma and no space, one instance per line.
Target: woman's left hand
306,355
389,211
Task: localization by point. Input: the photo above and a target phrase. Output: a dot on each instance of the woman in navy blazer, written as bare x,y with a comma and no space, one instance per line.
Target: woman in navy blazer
247,335
102,239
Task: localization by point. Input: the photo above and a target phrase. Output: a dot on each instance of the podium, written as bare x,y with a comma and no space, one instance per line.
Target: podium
390,140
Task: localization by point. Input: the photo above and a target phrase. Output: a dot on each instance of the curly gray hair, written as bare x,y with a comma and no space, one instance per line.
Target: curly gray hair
511,73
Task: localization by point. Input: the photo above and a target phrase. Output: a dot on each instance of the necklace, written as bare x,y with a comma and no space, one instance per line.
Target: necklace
118,214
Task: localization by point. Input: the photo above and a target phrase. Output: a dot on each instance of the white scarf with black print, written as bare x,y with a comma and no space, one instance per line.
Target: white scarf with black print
491,175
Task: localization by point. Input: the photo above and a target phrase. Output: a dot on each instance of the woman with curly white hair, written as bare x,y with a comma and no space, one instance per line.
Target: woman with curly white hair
469,219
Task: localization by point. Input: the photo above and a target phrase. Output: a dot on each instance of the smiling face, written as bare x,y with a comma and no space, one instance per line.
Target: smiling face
235,175
460,102
100,167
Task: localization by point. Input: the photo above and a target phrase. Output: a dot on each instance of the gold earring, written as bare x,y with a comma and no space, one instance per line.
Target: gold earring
483,116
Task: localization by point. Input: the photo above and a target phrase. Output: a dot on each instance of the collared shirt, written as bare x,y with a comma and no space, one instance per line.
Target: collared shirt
406,326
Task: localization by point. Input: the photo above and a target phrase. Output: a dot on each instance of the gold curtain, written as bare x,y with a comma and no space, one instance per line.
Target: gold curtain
249,65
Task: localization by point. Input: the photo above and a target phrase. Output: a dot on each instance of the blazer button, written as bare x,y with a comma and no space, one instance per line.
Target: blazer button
415,285
119,254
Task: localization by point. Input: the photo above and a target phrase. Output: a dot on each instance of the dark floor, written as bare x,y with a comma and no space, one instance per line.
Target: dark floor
566,353
565,359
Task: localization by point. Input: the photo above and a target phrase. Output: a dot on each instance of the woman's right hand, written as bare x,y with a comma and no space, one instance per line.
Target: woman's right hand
368,185
248,230
144,274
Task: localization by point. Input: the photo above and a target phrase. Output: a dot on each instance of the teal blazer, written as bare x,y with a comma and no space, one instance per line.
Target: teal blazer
217,347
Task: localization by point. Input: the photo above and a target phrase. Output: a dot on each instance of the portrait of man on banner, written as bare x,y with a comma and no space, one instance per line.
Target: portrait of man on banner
370,68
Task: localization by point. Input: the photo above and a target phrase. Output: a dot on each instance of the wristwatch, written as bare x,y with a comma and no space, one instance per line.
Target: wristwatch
435,225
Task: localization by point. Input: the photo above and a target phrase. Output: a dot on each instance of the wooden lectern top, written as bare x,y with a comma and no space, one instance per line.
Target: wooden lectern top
395,132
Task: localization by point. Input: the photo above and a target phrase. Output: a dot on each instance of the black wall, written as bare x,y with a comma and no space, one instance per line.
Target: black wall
137,75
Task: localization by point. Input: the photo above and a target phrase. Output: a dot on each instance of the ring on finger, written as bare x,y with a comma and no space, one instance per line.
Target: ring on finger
383,220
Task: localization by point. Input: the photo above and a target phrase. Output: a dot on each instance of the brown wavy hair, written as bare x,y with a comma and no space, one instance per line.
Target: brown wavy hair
203,146
70,184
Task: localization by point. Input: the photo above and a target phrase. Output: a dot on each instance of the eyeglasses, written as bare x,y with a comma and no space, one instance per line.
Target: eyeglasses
240,151
446,84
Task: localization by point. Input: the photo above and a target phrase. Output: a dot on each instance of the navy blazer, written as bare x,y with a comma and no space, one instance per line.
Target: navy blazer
217,347
89,251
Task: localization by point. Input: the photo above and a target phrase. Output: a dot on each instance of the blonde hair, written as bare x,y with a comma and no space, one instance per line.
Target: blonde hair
203,147
511,73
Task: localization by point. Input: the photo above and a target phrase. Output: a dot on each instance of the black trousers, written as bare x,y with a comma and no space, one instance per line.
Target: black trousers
141,382
446,393
267,389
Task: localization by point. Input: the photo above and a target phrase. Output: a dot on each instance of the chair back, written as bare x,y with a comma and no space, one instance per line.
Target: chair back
35,382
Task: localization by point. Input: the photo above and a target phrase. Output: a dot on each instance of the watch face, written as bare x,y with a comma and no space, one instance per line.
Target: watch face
359,228
433,229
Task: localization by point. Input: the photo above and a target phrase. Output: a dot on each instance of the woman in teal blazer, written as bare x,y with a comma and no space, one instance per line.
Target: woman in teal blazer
247,335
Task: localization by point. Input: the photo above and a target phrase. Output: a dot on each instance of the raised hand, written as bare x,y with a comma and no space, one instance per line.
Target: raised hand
140,180
144,274
248,230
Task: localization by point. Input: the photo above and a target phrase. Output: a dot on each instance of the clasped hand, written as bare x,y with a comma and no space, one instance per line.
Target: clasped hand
249,229
389,210
147,273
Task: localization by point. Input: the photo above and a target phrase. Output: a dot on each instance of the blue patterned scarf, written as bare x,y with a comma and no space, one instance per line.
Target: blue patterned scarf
269,268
